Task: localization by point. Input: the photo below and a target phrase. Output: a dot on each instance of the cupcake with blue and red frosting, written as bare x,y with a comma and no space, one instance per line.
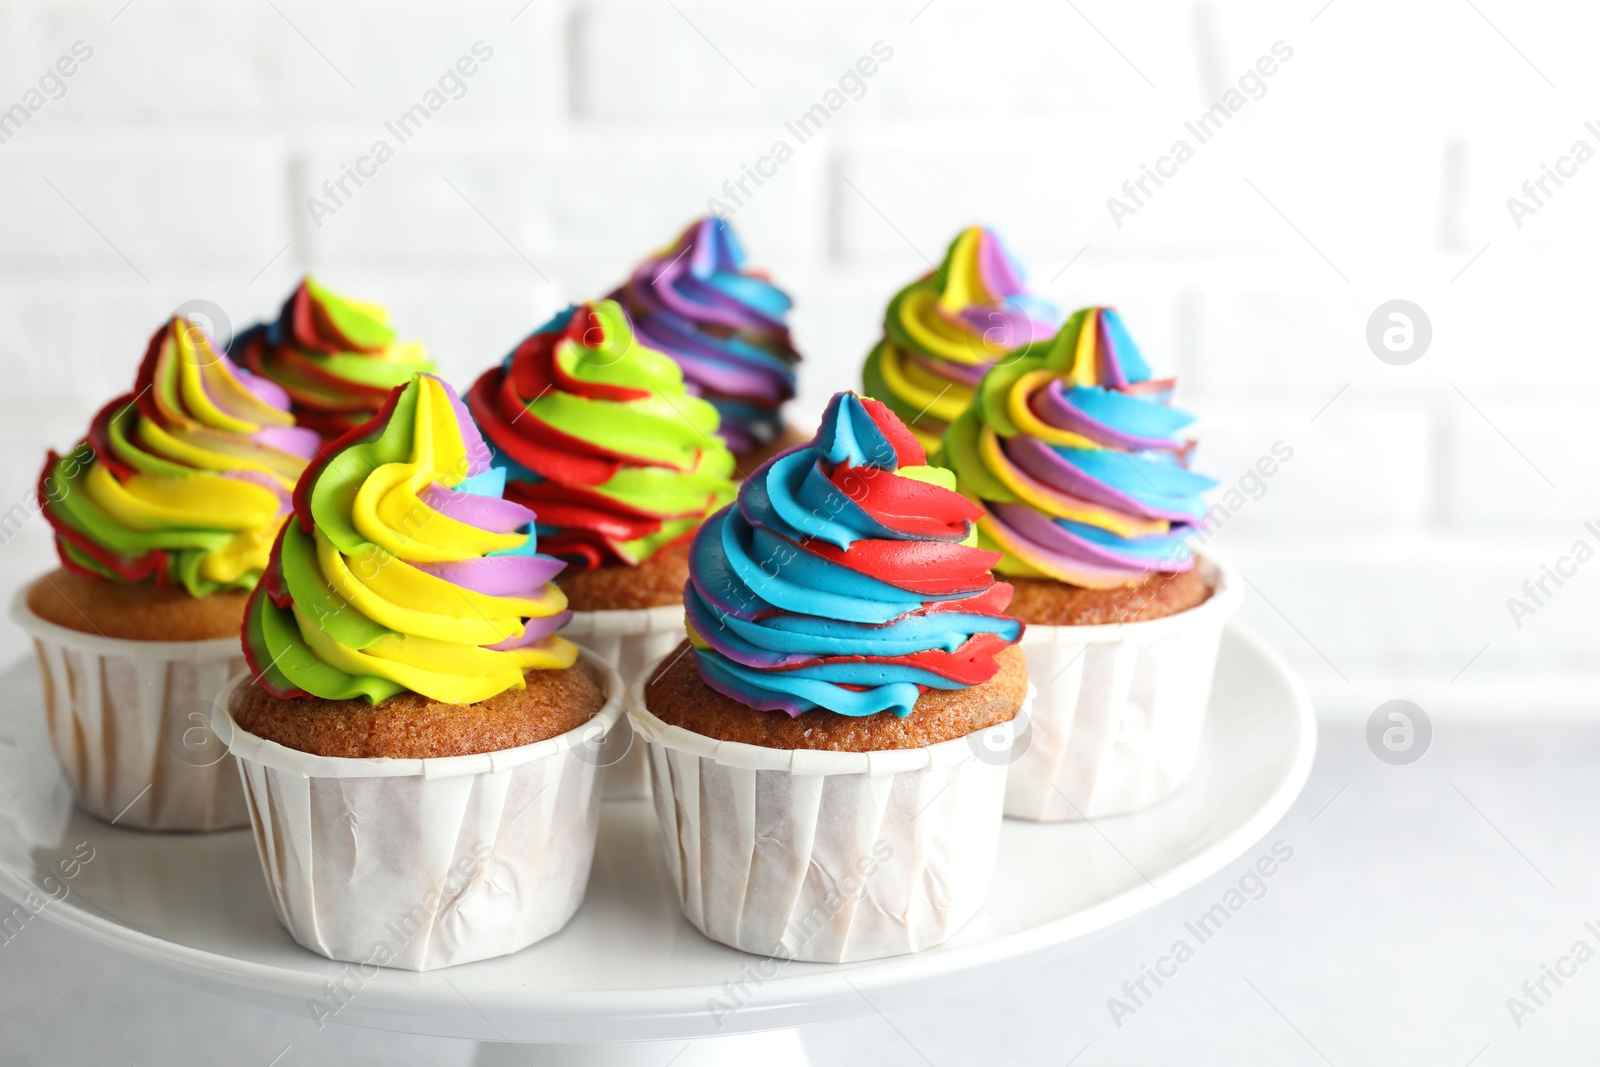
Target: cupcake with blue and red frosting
849,655
1080,466
726,325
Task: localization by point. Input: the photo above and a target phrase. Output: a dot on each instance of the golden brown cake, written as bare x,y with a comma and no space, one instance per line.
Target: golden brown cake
411,726
1046,602
679,697
655,583
141,611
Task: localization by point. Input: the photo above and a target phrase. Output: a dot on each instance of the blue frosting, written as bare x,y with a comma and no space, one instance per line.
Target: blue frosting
1134,368
1131,414
1152,478
790,630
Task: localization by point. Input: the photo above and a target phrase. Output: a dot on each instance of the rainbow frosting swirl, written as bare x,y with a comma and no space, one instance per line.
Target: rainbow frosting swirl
846,577
184,480
597,434
337,358
405,569
1076,456
945,330
723,323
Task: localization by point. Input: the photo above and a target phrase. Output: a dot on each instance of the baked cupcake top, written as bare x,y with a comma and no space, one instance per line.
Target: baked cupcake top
337,358
185,480
405,570
597,434
723,323
845,578
1078,460
944,330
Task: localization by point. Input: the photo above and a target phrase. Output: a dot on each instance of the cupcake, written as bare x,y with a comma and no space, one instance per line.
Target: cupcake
724,324
416,739
829,746
163,519
944,330
597,434
1081,468
337,358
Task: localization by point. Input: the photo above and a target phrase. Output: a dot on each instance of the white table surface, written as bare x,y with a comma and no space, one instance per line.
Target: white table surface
1415,904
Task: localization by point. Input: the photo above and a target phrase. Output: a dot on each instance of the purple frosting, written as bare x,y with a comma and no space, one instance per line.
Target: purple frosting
519,576
492,513
723,324
538,630
1055,538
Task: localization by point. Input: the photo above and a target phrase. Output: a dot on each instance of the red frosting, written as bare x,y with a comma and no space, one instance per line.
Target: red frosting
129,568
909,535
154,563
312,327
326,402
576,523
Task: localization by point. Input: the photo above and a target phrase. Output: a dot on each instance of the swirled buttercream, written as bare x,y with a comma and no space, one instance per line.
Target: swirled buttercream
845,577
185,480
405,569
337,358
597,434
942,332
1079,461
723,323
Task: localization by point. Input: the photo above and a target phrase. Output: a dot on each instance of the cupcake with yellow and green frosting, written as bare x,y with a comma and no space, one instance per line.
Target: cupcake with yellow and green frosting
164,516
188,478
944,331
411,719
405,570
337,358
597,434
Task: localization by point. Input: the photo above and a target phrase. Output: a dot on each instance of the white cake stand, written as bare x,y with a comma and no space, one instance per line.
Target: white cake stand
629,981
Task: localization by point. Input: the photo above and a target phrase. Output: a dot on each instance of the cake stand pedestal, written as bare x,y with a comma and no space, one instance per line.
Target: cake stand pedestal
629,981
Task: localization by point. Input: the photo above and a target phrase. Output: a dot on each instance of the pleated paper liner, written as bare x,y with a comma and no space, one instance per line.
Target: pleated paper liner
130,724
827,856
1117,724
426,863
629,640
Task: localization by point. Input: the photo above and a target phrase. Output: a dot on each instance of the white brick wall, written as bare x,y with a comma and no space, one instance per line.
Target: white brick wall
1389,543
194,204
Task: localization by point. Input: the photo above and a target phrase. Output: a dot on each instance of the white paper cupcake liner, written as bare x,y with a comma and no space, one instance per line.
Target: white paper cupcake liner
425,863
1117,724
629,640
130,724
829,857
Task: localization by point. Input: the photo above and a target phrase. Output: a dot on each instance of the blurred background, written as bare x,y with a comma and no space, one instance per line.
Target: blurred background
1375,163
